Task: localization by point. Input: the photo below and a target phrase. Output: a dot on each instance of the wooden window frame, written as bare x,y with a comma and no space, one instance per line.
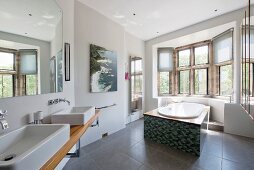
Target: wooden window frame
213,75
193,67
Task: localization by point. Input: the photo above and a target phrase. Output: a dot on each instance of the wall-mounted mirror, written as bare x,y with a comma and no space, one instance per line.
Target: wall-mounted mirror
31,59
136,84
247,64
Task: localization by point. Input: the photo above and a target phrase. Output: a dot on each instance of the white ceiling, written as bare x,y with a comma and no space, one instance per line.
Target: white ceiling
204,35
15,45
157,17
14,17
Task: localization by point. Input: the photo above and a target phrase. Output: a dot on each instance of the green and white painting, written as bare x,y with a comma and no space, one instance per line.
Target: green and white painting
103,69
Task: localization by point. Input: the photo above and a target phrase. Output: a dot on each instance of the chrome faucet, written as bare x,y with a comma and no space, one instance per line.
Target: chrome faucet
64,100
3,121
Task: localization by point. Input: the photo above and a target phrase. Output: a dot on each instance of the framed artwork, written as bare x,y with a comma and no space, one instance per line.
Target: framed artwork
103,69
67,61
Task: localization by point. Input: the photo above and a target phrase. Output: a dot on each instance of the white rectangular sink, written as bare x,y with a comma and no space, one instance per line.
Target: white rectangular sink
31,146
73,116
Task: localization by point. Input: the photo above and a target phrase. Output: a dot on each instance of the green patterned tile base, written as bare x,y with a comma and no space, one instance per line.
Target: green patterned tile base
176,134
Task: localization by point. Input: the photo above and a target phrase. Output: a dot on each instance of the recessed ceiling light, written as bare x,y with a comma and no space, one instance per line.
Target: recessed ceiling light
119,16
30,15
47,16
215,10
133,14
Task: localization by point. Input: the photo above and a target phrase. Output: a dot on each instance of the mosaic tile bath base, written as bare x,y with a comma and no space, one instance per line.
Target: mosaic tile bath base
176,134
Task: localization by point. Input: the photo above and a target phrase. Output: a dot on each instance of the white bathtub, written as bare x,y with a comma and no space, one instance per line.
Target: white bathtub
182,110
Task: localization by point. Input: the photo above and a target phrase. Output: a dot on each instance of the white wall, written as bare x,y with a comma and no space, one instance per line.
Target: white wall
19,108
237,121
93,28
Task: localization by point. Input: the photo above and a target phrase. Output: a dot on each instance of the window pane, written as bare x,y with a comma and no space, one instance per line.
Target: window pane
6,61
226,80
248,89
201,81
223,48
201,55
31,84
6,86
28,62
165,62
184,82
138,84
164,86
247,42
138,66
132,66
184,58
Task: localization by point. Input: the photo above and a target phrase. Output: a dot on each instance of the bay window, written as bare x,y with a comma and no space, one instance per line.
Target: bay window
204,68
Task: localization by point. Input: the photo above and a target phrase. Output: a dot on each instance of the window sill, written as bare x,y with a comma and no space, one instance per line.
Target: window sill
225,99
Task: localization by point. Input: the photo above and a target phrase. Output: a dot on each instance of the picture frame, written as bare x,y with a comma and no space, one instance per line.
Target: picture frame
103,69
67,61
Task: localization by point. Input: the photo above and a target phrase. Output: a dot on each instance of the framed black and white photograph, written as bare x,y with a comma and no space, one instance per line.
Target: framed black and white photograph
67,61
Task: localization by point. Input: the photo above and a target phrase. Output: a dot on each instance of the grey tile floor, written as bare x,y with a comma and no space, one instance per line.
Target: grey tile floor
128,150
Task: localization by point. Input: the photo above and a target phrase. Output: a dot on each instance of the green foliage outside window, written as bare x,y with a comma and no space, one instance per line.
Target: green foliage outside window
6,85
164,83
226,80
184,80
31,84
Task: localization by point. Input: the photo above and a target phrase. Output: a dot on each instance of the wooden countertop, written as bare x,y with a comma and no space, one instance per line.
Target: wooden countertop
75,134
197,121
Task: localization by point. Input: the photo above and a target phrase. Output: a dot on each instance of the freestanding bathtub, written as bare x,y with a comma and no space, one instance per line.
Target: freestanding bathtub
182,110
179,125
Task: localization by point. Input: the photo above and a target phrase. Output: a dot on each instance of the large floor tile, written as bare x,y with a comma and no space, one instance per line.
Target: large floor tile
117,161
81,164
214,149
153,158
127,149
207,162
229,165
84,151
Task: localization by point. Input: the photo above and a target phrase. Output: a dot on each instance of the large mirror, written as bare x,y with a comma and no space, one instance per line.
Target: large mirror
136,84
247,64
31,60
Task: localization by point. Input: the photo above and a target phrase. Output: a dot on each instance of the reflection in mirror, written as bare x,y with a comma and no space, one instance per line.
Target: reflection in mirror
31,59
247,46
136,84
